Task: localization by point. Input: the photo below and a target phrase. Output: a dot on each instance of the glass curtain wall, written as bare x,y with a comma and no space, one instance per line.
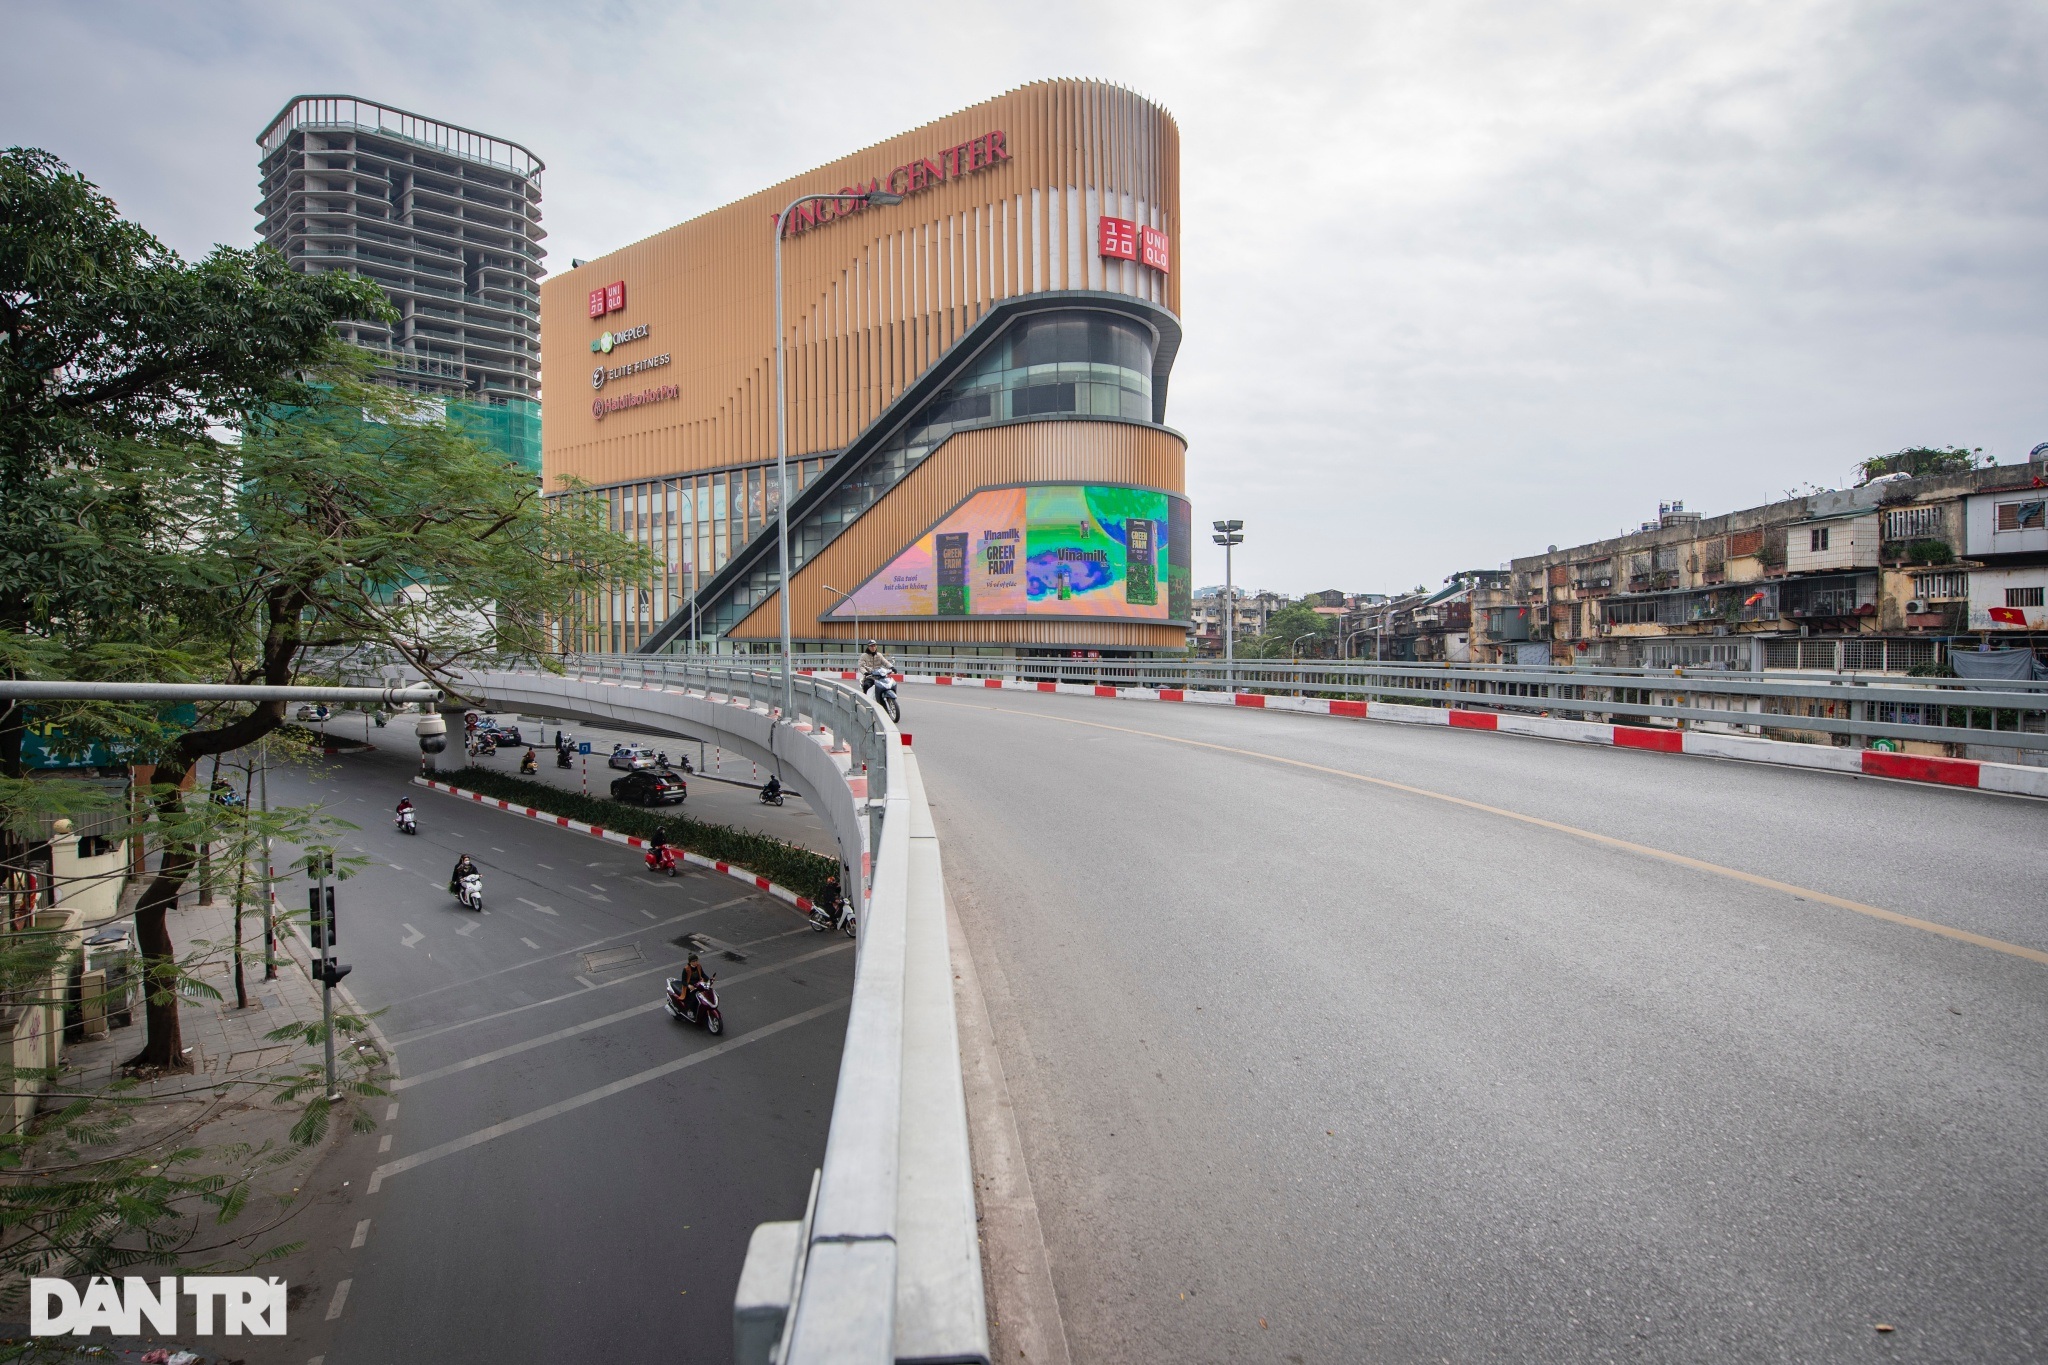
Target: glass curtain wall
689,522
1075,363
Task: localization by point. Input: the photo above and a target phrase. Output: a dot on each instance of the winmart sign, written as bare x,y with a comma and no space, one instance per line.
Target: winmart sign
912,177
228,1305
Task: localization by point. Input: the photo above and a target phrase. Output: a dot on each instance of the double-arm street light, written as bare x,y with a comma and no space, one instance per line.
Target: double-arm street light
1229,534
874,198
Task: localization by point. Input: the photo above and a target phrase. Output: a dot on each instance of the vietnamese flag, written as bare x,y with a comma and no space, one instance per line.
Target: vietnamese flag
2008,616
1752,599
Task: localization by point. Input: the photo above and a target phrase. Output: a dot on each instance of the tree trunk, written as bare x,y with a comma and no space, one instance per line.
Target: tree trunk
164,1045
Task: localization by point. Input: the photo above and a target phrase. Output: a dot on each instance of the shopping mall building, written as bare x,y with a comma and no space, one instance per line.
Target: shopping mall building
978,454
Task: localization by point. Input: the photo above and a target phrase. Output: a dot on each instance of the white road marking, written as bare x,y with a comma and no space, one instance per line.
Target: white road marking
384,1143
544,909
496,849
531,944
593,864
588,984
341,1290
575,1102
391,1112
412,936
514,1049
649,913
470,928
362,1235
395,867
544,865
730,980
594,895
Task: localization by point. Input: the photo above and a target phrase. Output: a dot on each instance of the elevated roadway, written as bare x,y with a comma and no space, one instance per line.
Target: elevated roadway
1335,1041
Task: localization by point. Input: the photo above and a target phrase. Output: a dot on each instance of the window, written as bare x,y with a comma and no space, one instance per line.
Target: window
1941,587
2023,597
2021,516
1818,539
1912,523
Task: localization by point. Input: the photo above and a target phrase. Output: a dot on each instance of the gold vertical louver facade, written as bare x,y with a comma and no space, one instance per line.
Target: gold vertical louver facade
675,427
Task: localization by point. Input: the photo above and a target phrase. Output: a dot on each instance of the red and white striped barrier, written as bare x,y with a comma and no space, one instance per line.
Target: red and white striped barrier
1946,772
781,893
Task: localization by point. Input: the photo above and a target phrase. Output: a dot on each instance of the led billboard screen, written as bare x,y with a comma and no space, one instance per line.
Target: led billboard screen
1081,550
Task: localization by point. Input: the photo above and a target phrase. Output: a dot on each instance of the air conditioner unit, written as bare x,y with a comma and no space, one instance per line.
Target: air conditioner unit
1917,608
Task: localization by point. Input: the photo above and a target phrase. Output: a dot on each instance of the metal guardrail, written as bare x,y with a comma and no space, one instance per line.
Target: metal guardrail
1966,711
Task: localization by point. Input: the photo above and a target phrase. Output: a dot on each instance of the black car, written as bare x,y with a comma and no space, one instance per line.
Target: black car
650,789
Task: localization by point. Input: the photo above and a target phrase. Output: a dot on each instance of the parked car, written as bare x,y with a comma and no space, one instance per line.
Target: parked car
506,735
631,757
319,712
650,789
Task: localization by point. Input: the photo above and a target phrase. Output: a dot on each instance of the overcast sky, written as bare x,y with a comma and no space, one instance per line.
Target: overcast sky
1460,280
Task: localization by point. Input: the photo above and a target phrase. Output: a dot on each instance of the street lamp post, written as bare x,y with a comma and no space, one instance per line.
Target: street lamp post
1229,534
873,198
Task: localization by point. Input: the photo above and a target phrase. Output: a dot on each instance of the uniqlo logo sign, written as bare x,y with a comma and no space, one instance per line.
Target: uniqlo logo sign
1118,239
610,299
1154,252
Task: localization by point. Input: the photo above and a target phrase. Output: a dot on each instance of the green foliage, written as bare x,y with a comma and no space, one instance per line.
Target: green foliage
1285,627
1932,552
1921,461
799,869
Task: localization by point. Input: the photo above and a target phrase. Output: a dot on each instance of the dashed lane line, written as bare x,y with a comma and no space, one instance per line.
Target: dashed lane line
588,1097
604,1021
533,961
531,944
663,969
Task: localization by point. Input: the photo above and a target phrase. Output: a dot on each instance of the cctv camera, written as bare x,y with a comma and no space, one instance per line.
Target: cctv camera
433,733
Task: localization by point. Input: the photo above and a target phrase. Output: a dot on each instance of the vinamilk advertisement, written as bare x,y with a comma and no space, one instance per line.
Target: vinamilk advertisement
1085,550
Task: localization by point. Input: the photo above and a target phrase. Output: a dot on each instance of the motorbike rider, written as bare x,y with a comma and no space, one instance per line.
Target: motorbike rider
873,661
463,868
657,843
693,976
404,804
833,899
528,763
772,789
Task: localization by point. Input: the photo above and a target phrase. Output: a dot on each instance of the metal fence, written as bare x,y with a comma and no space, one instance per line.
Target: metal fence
1857,707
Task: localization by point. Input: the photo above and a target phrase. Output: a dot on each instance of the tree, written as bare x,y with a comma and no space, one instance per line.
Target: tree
1921,461
197,482
1286,626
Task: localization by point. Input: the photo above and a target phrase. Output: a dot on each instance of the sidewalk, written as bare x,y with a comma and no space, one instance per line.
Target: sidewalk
224,1105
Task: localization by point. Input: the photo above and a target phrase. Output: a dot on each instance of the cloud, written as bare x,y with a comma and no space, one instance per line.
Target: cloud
1460,280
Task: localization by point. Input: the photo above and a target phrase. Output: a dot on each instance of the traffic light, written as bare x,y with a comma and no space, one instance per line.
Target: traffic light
330,973
321,921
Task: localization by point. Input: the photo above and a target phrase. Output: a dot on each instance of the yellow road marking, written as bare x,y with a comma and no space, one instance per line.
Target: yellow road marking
1608,840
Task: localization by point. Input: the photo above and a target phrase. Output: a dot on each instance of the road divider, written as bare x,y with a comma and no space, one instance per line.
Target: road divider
759,883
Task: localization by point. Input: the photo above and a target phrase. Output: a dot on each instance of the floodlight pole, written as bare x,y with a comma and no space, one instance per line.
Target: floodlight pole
874,197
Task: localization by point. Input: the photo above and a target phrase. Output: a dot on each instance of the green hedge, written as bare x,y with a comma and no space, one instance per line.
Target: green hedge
799,869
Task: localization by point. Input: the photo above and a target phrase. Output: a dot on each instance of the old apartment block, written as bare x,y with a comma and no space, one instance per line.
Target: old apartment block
1881,578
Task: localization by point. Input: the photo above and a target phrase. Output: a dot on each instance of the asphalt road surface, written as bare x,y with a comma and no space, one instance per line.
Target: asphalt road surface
1338,1042
570,1173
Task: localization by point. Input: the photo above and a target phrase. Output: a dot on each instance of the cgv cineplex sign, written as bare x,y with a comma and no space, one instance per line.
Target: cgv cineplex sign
912,177
232,1305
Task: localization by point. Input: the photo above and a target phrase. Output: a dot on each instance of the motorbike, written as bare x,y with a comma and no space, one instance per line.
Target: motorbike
527,764
662,859
771,794
406,822
565,758
470,891
700,1007
884,684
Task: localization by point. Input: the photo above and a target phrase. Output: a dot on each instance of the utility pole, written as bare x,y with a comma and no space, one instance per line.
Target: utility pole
269,880
1230,535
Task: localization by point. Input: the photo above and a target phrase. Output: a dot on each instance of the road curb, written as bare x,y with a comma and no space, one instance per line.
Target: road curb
2009,778
759,883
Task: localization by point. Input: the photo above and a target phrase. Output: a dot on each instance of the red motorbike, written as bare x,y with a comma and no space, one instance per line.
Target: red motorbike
662,859
700,1007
